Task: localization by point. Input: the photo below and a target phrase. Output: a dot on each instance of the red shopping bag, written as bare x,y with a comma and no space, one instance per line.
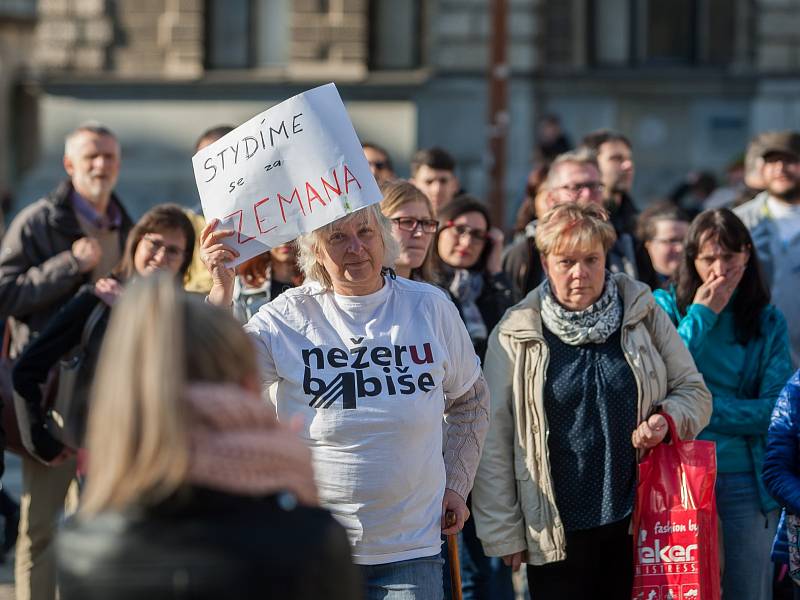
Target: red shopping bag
676,556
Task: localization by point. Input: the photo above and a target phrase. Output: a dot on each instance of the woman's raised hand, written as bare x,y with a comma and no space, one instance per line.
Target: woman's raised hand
214,254
717,291
108,290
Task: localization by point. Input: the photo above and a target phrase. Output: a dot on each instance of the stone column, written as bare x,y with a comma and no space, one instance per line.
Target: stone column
180,35
329,36
73,35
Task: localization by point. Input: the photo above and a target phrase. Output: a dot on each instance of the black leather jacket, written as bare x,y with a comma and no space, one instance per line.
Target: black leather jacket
204,544
37,270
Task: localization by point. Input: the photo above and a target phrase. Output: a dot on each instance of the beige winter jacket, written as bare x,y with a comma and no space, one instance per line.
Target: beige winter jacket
513,501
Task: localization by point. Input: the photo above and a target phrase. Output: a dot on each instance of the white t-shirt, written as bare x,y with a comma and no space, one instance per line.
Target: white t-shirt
369,374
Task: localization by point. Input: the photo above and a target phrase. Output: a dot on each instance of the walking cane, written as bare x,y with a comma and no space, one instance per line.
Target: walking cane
452,553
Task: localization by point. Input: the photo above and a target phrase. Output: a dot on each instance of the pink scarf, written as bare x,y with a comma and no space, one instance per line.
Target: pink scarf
238,446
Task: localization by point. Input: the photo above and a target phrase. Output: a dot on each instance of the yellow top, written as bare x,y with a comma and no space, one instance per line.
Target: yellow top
198,279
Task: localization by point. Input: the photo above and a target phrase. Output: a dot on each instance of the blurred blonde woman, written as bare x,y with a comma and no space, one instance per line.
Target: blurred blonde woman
193,489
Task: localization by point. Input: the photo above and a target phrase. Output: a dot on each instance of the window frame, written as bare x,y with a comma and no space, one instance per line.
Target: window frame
418,49
251,61
638,31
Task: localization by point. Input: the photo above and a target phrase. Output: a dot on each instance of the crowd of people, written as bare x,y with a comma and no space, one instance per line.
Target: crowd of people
313,422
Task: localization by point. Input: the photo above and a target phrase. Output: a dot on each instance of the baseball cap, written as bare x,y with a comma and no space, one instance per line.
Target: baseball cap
783,142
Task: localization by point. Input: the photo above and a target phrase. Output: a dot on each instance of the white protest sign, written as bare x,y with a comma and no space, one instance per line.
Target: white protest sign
289,170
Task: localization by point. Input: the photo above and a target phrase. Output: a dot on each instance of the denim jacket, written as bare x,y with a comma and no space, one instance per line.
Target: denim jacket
780,263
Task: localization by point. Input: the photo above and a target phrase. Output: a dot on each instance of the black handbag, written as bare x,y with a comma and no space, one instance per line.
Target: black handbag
10,428
66,419
15,425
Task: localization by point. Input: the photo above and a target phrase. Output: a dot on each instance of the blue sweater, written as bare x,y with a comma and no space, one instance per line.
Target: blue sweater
744,380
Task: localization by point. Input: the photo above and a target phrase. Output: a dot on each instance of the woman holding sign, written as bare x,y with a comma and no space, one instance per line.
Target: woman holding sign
360,358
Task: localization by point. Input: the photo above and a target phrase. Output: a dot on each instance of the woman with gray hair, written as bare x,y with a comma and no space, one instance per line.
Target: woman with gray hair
580,374
367,364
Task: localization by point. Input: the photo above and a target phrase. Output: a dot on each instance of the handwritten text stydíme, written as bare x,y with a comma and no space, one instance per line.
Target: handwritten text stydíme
248,146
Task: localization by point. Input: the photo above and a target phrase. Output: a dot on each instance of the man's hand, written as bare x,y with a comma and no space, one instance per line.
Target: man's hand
87,253
650,433
455,503
516,560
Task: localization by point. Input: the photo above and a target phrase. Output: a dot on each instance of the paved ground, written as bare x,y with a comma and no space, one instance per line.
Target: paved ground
7,579
12,481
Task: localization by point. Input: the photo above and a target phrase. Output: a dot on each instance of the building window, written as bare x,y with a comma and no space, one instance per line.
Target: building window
18,9
243,34
395,34
633,33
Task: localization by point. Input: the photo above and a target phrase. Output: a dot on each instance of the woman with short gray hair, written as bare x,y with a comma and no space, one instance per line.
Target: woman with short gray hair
367,364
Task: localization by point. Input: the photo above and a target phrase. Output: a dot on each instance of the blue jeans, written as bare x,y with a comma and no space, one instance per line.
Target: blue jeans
747,535
415,579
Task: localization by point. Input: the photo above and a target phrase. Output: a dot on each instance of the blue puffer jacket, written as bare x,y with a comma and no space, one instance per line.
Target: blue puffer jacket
782,458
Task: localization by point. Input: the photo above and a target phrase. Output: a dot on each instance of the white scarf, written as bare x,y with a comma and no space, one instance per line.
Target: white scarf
590,325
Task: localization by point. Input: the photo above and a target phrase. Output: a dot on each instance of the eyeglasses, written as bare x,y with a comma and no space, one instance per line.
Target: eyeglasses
411,224
475,235
574,189
173,253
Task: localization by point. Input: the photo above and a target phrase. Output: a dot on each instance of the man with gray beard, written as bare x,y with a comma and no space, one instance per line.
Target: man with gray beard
773,218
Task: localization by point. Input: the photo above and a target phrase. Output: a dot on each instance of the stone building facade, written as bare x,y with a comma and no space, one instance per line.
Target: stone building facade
17,26
688,83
